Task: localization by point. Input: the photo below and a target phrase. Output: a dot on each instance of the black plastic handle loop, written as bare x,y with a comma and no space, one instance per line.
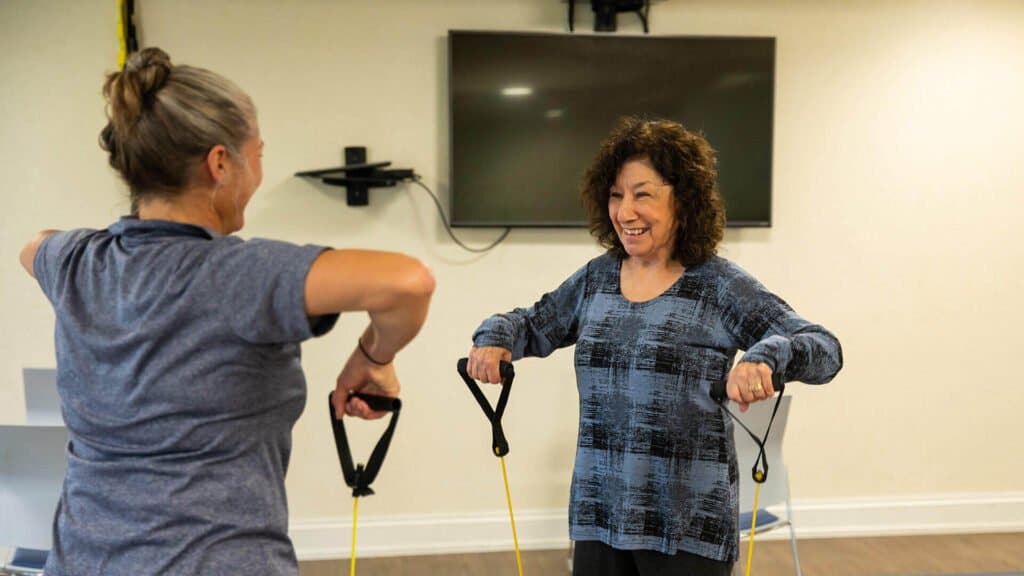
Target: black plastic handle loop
759,471
379,403
498,442
718,389
359,477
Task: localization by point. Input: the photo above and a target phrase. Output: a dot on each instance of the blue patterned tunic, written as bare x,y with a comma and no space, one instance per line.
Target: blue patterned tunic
655,462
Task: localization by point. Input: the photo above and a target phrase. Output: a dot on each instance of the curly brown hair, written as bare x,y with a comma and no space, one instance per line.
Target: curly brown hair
683,159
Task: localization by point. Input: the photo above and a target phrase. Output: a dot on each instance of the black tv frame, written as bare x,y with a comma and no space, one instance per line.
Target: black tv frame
582,223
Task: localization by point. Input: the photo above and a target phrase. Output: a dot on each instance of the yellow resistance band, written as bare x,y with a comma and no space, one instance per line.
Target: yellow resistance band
122,42
753,524
355,518
508,496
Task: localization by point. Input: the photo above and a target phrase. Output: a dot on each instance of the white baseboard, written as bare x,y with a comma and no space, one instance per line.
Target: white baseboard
547,529
429,534
910,515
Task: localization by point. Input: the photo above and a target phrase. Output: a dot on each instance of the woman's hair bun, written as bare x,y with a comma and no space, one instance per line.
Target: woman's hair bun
133,88
148,69
163,119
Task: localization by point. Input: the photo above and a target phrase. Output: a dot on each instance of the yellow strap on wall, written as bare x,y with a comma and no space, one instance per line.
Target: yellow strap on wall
122,42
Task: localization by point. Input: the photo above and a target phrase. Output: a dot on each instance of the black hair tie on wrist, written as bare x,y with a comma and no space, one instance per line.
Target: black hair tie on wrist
367,354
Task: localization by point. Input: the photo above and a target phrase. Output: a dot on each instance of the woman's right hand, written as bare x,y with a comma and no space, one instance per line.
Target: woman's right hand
362,375
485,363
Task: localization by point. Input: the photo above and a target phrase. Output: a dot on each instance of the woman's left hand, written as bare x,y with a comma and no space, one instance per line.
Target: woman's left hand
749,382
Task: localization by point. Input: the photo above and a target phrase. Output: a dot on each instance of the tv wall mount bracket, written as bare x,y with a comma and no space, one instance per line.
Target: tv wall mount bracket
358,175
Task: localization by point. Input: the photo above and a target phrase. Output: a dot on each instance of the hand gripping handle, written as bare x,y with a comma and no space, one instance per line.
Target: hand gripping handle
359,477
718,393
498,442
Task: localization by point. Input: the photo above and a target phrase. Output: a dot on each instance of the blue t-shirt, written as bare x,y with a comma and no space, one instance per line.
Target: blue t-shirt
655,462
180,379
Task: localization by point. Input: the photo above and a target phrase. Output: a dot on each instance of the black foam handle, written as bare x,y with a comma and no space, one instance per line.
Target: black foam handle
505,370
379,403
718,393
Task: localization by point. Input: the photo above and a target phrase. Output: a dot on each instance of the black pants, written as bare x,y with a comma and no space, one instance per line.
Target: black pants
593,558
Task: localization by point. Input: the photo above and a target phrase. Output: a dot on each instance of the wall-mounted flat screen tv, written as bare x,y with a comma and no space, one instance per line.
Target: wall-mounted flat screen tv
528,113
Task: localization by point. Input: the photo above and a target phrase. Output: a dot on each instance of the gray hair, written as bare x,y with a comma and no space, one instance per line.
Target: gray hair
163,119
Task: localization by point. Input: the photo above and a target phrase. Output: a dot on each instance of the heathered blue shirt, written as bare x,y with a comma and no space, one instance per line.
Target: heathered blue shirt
180,381
655,461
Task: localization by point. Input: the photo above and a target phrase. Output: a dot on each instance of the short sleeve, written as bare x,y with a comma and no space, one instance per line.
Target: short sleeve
53,257
262,286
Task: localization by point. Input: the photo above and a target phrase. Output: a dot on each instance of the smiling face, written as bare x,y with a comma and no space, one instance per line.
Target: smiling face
642,210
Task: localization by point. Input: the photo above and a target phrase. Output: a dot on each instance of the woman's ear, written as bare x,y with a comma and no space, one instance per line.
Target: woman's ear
217,163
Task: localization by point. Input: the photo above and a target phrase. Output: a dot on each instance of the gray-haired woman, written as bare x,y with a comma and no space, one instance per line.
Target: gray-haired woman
178,343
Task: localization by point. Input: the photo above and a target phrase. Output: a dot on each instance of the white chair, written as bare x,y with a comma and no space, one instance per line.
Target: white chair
775,490
31,476
42,402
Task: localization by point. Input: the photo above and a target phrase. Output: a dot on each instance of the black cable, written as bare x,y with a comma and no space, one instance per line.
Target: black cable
642,14
448,228
131,37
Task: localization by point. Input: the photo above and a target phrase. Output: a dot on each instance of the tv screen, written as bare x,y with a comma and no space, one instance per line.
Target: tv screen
529,111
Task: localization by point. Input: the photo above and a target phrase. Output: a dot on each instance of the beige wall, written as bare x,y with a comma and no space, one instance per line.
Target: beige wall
897,199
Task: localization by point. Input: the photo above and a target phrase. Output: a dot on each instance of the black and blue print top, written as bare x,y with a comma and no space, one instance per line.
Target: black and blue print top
655,462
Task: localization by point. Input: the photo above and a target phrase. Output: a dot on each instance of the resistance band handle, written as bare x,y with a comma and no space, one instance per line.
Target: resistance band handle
759,471
505,370
718,393
360,477
379,403
499,445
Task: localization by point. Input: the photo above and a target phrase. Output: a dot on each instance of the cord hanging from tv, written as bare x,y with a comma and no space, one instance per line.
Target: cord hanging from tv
358,176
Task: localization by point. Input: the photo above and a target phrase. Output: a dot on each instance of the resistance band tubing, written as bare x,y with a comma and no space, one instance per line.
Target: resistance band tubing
508,496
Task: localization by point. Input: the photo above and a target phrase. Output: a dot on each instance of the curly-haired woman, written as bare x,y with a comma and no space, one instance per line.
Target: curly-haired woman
656,320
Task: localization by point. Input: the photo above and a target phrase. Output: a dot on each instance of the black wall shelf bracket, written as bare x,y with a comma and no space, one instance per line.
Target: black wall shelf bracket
358,176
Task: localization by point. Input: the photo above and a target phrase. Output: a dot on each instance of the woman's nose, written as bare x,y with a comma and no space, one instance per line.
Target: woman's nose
625,209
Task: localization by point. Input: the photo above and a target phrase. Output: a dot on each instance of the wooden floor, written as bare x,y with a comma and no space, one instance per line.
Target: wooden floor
955,554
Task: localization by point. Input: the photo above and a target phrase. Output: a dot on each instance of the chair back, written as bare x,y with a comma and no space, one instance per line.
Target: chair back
32,464
42,402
